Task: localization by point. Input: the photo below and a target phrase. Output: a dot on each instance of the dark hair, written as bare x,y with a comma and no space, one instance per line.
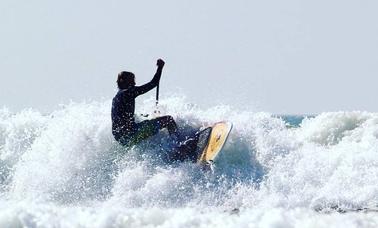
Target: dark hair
125,79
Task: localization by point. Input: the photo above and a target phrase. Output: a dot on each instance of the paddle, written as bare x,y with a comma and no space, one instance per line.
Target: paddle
157,94
157,112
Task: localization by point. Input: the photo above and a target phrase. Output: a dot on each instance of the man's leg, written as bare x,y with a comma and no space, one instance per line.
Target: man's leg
167,122
148,128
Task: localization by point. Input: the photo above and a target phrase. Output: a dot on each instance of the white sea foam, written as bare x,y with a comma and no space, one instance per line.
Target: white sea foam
65,170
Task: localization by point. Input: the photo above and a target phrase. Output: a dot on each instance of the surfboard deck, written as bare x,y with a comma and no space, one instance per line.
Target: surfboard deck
211,141
204,146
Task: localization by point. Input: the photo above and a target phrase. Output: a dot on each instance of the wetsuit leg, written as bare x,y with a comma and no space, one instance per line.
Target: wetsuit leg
167,122
148,128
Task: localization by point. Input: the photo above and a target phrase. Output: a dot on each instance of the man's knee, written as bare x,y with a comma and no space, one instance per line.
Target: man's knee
166,119
170,119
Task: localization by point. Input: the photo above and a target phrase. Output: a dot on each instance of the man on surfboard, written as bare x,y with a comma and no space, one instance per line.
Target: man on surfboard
124,128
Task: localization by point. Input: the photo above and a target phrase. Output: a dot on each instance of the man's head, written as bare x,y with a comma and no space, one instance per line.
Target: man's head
125,80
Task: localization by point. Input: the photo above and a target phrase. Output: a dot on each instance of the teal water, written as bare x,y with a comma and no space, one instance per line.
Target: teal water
294,120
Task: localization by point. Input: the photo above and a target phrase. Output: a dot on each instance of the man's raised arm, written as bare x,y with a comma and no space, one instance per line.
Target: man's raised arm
154,82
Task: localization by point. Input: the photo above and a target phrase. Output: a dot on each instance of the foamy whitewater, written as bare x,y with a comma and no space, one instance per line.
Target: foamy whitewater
64,169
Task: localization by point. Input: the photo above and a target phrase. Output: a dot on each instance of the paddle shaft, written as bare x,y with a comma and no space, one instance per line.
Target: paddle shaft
157,94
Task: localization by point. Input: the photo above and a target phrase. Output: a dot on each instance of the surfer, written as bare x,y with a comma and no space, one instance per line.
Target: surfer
124,128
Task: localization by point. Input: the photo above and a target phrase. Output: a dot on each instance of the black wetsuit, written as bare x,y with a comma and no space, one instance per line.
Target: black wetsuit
123,107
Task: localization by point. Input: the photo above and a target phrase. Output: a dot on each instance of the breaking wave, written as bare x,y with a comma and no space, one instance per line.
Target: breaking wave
65,169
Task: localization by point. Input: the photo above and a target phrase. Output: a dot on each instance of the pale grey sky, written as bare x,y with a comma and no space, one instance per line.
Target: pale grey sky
277,56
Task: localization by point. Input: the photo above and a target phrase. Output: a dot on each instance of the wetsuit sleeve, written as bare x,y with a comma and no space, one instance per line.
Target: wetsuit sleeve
138,90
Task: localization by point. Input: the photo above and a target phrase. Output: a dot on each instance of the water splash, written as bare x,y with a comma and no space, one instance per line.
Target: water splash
67,164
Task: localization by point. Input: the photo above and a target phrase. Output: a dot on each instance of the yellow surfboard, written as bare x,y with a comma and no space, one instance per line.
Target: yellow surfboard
216,140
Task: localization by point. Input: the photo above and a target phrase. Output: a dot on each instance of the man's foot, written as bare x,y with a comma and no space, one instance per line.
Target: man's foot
187,141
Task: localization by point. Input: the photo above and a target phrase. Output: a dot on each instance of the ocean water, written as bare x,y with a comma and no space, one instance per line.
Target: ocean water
64,169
